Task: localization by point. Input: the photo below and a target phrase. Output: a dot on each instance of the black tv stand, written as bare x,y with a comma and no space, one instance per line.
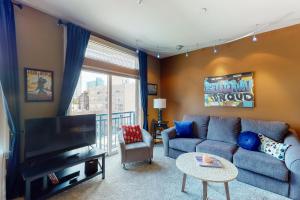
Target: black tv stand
68,167
76,155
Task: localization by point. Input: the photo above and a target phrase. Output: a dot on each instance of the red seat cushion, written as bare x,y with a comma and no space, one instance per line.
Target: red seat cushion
132,134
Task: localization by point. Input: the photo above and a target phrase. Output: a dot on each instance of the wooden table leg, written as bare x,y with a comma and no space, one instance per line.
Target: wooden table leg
204,183
227,190
183,182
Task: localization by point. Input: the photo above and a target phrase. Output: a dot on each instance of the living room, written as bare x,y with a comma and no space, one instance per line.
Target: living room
149,99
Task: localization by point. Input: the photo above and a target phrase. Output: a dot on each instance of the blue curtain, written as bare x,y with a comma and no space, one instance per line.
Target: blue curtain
9,78
144,86
77,41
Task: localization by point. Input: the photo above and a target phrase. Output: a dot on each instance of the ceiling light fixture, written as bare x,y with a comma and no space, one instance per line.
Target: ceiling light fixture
158,56
140,2
204,10
179,47
254,38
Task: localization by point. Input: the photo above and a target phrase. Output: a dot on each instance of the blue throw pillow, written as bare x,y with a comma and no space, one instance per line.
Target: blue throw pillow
249,140
184,129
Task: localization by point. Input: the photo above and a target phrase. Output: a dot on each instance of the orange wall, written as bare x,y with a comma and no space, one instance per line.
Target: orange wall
274,59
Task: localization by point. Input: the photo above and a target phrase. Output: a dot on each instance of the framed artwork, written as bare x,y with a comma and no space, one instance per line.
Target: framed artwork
152,89
233,90
38,85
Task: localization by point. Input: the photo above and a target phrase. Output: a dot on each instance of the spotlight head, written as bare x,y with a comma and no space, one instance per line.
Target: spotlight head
215,50
137,50
254,38
186,54
158,56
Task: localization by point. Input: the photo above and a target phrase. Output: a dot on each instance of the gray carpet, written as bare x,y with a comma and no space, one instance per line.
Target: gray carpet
161,180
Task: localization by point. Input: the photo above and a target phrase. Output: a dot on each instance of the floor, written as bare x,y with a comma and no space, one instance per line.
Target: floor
159,181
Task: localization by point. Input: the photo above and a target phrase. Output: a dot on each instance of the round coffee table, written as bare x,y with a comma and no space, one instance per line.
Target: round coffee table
187,164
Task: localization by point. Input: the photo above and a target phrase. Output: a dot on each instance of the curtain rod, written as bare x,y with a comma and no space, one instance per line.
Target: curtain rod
61,23
20,6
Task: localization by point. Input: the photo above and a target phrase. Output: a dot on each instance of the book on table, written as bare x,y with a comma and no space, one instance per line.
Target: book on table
212,162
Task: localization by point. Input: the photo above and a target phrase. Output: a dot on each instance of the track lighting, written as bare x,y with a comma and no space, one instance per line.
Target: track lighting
215,50
254,38
137,51
186,54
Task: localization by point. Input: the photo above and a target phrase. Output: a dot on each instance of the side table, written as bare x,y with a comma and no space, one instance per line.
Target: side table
157,127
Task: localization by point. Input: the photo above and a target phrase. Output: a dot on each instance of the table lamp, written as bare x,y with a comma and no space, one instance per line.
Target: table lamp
160,104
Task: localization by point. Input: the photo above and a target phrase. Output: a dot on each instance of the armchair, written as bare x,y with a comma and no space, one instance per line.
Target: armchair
139,151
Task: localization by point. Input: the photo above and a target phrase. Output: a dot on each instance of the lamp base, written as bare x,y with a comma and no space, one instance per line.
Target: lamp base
159,115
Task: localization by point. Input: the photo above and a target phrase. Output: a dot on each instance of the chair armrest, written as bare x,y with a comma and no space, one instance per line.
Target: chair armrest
168,134
122,146
147,138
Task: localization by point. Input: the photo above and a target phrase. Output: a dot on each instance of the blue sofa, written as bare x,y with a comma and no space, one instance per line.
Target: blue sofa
218,135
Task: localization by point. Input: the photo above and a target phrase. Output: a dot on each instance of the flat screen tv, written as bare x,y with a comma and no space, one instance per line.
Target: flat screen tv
47,136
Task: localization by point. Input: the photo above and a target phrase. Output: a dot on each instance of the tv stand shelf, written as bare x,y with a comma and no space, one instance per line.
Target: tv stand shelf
68,167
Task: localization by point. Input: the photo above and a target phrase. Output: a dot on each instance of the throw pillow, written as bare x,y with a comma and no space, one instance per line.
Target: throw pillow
249,140
272,147
184,129
132,134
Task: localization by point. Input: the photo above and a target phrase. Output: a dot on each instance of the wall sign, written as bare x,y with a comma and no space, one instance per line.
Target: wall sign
233,90
38,85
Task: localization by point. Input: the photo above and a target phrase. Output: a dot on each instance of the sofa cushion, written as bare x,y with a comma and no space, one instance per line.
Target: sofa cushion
272,129
136,145
261,163
249,140
199,126
224,129
184,144
184,129
217,148
273,148
132,134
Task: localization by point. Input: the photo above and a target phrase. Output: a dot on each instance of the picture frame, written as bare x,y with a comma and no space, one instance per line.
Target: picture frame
231,90
38,85
152,89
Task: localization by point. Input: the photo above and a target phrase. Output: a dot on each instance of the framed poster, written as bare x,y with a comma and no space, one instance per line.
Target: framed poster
233,90
38,85
152,89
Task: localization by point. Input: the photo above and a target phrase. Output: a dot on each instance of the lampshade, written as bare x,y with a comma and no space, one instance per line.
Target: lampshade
159,103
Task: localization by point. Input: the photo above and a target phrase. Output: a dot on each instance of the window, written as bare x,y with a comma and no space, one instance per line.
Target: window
108,87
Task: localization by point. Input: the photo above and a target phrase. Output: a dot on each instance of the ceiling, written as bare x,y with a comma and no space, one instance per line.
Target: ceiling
161,25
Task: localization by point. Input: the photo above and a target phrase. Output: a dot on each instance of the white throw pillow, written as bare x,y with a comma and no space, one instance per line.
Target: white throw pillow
272,147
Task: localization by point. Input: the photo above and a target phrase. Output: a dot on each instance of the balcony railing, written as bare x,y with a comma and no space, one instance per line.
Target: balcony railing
118,119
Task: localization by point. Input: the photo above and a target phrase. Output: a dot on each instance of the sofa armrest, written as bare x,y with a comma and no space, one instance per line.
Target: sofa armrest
147,138
168,134
292,161
292,158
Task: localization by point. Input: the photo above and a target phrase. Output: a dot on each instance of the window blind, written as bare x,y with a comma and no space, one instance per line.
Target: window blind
106,56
